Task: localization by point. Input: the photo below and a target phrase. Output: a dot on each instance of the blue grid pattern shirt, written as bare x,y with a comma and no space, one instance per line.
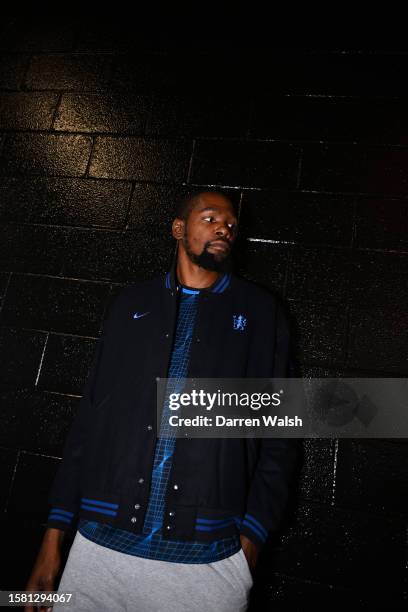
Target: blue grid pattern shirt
150,543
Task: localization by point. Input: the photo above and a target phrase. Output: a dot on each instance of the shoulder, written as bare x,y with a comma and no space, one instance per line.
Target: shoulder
255,292
265,302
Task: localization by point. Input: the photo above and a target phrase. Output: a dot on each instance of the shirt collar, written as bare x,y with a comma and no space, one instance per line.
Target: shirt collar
219,285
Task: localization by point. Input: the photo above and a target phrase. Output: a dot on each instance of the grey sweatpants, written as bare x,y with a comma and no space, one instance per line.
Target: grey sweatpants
102,579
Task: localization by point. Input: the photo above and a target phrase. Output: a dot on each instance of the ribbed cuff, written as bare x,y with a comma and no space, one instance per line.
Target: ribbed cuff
253,530
59,518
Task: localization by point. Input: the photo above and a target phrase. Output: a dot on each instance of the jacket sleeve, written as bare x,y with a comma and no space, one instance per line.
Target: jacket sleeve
64,493
269,488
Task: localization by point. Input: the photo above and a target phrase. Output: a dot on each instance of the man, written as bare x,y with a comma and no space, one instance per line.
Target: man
171,524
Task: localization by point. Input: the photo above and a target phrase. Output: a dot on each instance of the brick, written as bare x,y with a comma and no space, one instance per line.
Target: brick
60,155
48,422
102,113
317,473
120,257
8,459
378,339
136,158
153,206
262,263
377,279
64,201
321,329
4,279
354,168
166,72
382,223
318,72
46,33
143,72
51,304
366,120
35,420
100,36
21,352
32,482
319,273
283,593
12,70
27,111
16,405
314,548
247,164
361,465
305,218
66,363
68,72
30,248
199,116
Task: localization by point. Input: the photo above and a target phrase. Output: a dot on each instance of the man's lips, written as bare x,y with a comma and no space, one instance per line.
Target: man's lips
220,245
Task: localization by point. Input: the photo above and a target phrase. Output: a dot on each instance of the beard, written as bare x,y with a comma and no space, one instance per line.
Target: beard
216,262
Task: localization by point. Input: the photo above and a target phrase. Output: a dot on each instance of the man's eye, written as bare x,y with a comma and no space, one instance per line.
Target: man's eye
208,218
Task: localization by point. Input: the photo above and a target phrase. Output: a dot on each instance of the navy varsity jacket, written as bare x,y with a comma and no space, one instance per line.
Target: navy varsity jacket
217,485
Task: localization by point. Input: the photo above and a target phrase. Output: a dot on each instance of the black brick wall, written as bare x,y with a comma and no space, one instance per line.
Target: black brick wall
98,136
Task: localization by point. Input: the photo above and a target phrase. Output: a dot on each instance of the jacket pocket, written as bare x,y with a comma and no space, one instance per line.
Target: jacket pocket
180,522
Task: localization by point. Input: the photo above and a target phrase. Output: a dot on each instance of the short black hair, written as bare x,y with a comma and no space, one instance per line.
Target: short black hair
190,198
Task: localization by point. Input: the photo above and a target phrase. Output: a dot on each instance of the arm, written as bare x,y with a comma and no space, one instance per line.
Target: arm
47,564
269,488
65,491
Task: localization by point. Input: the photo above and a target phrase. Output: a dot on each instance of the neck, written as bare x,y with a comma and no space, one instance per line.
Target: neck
190,274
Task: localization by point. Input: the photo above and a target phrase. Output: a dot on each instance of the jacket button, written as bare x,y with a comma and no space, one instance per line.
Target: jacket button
141,480
175,487
149,427
197,339
168,527
133,519
166,335
172,513
137,506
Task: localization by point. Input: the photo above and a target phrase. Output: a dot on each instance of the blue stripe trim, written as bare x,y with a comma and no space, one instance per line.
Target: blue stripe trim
60,511
212,521
223,285
226,523
190,291
253,520
58,517
101,510
95,502
219,283
255,530
203,524
168,280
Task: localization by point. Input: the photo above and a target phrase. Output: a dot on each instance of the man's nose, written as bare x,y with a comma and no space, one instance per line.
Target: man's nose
222,230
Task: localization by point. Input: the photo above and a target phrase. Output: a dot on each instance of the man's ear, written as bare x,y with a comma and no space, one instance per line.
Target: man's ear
177,228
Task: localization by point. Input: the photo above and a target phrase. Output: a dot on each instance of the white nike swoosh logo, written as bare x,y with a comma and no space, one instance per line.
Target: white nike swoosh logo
137,315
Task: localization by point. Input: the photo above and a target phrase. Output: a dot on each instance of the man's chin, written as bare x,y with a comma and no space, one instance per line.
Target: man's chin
217,262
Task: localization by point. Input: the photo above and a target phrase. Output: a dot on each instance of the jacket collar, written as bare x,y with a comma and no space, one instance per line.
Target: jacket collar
219,286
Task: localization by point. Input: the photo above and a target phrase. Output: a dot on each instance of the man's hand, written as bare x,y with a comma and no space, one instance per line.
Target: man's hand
46,566
250,551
